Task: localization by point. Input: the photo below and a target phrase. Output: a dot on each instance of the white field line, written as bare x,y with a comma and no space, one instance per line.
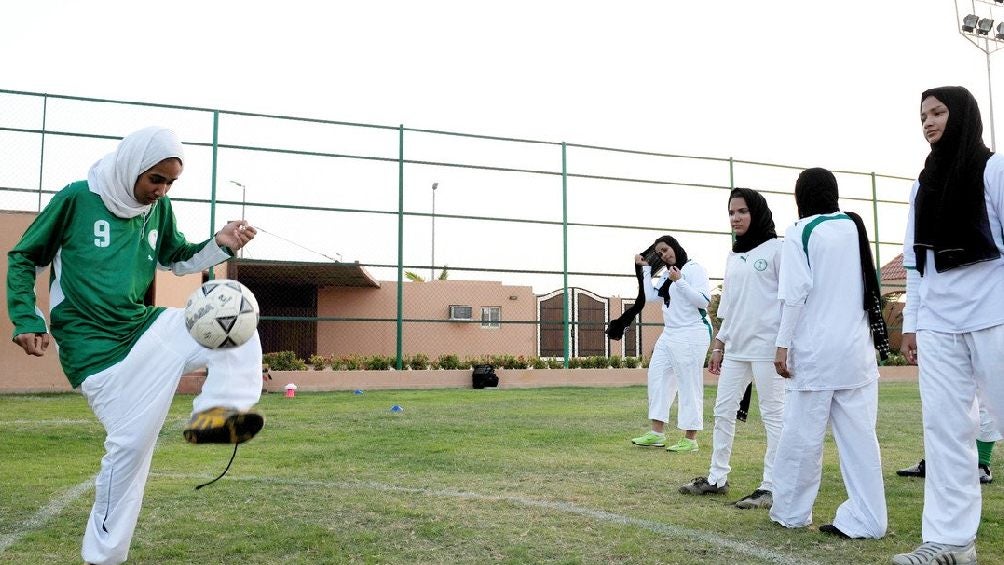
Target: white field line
745,548
51,422
48,512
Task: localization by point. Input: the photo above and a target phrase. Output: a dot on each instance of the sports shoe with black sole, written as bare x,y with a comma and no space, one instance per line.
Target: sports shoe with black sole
833,531
759,499
223,425
700,485
918,470
931,553
986,477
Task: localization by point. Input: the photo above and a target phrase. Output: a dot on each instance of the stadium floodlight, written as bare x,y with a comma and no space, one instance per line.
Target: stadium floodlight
979,30
969,23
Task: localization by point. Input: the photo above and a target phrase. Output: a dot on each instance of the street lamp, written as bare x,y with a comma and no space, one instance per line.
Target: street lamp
243,195
432,269
243,201
975,27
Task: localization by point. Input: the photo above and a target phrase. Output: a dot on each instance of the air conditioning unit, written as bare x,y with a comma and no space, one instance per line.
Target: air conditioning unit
460,312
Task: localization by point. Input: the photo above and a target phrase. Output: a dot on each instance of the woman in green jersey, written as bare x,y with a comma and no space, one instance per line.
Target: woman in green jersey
103,240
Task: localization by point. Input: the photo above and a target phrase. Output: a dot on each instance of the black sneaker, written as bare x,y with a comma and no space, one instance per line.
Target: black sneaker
700,485
759,499
222,425
833,531
985,476
917,470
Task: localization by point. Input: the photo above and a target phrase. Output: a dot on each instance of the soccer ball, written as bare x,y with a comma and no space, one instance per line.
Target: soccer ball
221,313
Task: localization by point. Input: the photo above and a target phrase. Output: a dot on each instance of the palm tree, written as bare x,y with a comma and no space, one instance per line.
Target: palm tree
413,276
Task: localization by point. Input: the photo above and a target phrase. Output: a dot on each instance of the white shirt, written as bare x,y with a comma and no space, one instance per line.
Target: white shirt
963,299
688,297
749,307
831,348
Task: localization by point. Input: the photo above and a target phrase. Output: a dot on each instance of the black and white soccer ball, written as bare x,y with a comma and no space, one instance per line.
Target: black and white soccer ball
221,313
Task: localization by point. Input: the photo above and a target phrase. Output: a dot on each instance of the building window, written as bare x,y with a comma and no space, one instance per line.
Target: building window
460,312
491,316
631,342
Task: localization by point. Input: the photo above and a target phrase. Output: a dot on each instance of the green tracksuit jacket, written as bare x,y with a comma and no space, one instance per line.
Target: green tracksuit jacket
101,268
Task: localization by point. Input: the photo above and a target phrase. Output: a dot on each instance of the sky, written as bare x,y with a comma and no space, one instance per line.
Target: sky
832,84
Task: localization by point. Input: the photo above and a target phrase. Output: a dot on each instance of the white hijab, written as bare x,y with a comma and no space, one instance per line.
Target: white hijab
113,177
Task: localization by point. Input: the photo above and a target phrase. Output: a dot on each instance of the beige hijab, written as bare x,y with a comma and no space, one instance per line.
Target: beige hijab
114,176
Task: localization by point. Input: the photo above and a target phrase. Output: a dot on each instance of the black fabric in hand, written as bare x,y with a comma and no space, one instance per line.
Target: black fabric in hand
616,328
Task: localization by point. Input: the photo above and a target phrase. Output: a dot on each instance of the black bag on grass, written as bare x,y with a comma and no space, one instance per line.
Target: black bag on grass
484,376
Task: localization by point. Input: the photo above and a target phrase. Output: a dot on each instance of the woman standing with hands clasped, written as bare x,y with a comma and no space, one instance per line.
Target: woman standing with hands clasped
953,323
677,362
744,349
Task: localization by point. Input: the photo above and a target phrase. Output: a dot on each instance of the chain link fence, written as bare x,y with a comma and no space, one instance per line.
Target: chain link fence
397,246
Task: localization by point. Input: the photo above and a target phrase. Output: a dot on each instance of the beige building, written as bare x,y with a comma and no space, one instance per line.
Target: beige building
24,373
340,309
357,315
894,290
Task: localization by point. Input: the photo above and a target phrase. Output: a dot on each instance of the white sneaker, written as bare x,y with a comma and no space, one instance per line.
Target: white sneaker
759,499
931,553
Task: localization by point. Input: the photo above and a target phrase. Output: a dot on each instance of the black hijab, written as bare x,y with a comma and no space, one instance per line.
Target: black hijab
816,193
761,229
615,329
681,260
761,220
950,213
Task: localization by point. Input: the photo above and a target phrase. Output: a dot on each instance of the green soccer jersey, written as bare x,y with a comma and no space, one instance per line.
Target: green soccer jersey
101,268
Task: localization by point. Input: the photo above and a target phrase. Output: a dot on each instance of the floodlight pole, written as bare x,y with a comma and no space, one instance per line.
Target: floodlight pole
432,267
986,42
990,109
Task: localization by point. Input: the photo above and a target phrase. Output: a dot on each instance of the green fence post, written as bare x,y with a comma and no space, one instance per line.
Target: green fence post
41,155
875,220
732,184
565,304
400,246
212,180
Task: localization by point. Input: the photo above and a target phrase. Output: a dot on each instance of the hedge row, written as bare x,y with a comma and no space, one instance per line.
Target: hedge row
289,361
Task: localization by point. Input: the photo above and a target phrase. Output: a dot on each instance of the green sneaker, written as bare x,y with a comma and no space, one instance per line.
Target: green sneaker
683,446
651,439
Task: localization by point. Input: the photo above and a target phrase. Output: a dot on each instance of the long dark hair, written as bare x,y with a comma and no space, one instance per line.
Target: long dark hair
761,220
681,260
950,207
816,192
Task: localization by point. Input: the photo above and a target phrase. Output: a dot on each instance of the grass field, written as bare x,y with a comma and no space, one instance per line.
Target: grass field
460,476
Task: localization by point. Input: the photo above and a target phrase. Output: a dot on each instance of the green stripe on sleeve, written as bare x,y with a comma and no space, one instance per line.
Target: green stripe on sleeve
812,225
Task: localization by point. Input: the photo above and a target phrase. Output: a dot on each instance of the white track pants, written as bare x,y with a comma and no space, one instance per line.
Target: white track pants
954,368
132,399
799,459
988,427
677,364
735,376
